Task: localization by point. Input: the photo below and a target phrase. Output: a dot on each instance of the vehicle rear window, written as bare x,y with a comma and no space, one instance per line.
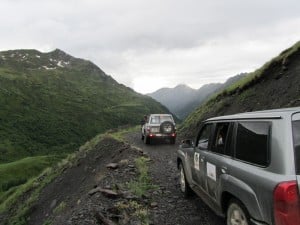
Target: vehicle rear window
296,137
252,142
160,119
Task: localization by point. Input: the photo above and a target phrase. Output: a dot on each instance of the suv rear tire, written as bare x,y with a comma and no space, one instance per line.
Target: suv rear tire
236,213
167,127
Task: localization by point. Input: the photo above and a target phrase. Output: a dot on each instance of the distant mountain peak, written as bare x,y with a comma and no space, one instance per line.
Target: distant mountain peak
182,86
59,55
182,99
58,51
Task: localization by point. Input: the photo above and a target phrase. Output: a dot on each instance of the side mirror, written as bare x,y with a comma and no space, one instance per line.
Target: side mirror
187,143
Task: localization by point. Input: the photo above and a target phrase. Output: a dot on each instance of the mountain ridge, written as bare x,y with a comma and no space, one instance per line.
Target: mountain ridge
53,102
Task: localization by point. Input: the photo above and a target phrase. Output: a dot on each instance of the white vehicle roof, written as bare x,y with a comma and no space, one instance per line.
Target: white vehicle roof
265,114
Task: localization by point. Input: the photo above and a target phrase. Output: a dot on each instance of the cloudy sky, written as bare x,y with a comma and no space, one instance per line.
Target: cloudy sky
149,44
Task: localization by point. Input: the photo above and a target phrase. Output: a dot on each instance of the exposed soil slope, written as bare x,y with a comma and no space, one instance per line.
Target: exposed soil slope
69,199
275,85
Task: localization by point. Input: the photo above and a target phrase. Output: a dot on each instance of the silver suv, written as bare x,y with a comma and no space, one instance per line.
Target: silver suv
246,167
159,126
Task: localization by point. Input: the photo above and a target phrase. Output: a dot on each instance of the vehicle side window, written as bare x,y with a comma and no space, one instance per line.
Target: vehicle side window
220,138
252,142
204,136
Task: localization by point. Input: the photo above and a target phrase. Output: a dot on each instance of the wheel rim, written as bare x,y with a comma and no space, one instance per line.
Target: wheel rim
237,216
182,180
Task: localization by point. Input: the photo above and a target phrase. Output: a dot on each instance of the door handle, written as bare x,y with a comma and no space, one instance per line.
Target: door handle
202,159
224,169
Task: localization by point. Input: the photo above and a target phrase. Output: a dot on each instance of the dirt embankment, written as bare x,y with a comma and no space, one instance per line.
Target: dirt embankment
96,190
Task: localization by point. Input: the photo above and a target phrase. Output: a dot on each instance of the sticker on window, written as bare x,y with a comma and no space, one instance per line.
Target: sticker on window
196,161
211,171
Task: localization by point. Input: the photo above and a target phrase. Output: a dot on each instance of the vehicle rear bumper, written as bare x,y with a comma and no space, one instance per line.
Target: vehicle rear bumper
162,136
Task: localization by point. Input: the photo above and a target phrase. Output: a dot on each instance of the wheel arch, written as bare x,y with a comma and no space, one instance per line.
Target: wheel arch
246,196
225,200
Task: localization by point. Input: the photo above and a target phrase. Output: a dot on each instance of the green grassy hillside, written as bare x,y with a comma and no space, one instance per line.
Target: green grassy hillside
274,85
52,103
19,172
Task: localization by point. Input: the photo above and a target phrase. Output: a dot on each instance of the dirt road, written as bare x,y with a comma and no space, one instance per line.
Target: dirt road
91,192
172,207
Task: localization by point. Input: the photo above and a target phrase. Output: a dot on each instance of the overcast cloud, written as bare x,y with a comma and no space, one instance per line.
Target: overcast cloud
147,45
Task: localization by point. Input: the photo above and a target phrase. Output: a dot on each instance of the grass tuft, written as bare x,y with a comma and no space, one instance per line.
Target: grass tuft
143,183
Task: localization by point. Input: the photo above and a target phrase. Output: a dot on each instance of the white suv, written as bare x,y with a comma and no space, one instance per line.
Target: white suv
159,126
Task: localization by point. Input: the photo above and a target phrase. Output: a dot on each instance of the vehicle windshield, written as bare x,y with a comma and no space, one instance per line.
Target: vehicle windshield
160,119
296,137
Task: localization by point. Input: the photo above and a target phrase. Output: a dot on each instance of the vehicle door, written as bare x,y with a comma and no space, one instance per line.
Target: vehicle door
296,140
218,157
202,144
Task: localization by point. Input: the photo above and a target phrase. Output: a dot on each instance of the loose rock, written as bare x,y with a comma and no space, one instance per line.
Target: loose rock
112,166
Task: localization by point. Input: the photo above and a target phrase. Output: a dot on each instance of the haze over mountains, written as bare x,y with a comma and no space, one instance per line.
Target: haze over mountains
53,102
182,100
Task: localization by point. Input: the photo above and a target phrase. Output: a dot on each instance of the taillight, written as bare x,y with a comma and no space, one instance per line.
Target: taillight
286,204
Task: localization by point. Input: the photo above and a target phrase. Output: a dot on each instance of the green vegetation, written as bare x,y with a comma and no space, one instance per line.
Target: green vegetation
19,172
30,191
52,111
139,187
60,208
143,182
48,222
136,210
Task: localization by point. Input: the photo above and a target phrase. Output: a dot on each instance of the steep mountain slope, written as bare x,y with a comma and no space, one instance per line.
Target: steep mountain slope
52,102
182,99
275,85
